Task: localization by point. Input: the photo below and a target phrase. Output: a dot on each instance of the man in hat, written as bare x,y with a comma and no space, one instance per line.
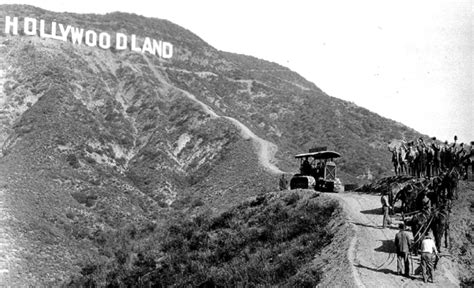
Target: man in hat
402,244
436,157
428,247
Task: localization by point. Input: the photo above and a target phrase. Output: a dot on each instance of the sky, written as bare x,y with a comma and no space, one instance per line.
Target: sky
410,61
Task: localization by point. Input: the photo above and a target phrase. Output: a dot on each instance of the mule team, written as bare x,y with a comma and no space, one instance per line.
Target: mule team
427,197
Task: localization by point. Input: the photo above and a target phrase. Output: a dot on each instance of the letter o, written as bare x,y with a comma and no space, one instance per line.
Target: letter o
91,42
29,31
104,40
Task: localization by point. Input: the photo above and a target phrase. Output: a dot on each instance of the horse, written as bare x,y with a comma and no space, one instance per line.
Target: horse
437,221
450,184
418,223
440,225
425,218
409,194
404,195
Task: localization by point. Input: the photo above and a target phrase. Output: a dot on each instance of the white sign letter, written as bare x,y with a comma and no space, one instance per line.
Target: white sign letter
104,40
91,42
120,41
11,24
76,35
156,47
147,46
43,30
64,32
134,44
53,31
29,22
167,50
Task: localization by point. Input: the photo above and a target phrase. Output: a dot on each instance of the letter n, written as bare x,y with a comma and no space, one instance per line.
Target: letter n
157,47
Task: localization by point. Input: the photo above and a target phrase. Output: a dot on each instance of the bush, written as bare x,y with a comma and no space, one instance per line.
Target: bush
268,244
84,198
72,160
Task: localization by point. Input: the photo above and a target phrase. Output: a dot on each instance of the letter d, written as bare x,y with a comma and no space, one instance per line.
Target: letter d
120,41
167,51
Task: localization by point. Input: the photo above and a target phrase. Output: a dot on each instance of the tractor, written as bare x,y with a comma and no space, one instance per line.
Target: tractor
317,170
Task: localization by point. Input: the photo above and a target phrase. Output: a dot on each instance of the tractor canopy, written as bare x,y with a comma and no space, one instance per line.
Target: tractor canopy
319,155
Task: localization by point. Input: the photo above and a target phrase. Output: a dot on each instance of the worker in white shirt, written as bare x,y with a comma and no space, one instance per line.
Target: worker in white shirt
385,209
428,247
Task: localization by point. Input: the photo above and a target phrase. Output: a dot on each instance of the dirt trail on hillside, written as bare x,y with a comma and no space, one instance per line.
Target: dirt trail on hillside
371,253
265,149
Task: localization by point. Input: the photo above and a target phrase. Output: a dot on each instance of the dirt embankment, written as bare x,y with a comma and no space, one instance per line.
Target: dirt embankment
9,262
371,253
462,232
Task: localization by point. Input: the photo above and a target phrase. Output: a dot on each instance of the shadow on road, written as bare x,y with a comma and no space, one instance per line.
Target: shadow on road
367,225
386,271
388,246
376,211
383,270
374,226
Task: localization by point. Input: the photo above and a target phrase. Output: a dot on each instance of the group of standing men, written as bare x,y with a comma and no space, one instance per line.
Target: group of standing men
420,159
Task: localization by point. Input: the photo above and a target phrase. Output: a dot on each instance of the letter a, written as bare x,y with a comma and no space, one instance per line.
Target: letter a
147,46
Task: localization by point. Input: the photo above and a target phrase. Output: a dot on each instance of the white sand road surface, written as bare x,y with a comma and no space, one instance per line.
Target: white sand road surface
371,253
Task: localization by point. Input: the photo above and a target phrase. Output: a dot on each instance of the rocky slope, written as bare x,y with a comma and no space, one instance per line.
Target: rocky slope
94,140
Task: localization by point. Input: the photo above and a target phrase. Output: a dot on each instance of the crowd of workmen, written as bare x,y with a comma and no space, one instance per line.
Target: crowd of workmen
423,159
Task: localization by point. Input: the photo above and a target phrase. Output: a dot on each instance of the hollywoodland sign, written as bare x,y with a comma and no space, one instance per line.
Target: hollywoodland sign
90,38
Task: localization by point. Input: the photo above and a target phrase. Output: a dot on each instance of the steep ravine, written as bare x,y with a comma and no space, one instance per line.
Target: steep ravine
265,150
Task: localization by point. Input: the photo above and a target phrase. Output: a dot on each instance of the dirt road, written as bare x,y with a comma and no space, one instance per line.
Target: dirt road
371,253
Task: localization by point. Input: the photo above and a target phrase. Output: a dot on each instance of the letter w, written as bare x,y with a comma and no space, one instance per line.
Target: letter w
76,35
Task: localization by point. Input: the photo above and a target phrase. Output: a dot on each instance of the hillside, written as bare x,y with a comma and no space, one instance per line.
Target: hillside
283,230
97,140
